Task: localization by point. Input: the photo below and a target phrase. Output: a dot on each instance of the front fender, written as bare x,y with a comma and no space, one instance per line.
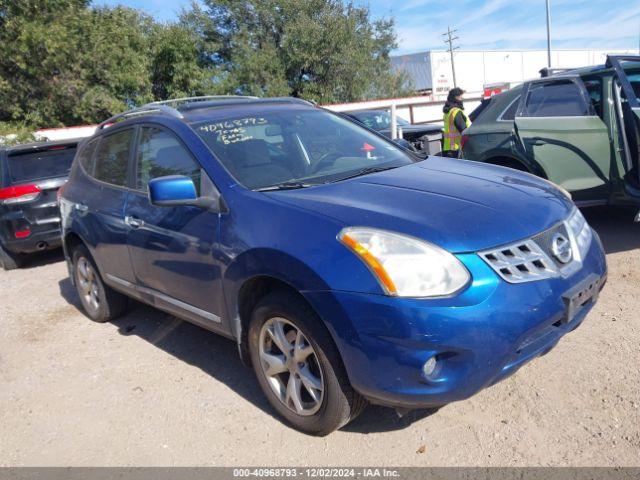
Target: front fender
265,262
287,269
271,263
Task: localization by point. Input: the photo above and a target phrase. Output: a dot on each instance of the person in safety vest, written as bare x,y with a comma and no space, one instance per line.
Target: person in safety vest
455,122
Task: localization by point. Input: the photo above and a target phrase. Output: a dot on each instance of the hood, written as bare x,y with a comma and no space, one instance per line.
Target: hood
449,104
459,205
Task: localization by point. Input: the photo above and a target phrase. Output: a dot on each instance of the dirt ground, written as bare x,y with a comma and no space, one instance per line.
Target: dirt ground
149,389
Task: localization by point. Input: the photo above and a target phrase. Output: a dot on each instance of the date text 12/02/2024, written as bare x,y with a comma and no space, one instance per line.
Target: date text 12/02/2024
316,472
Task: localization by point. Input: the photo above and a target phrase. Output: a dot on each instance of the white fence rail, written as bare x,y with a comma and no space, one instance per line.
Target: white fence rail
422,109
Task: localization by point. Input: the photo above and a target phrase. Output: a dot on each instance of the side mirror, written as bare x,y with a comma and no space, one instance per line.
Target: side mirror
176,191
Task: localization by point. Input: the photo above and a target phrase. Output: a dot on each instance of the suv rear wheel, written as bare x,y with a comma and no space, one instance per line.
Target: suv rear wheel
298,365
8,260
100,302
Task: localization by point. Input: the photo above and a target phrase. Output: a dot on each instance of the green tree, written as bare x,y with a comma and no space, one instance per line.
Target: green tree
69,63
112,63
177,67
64,62
325,50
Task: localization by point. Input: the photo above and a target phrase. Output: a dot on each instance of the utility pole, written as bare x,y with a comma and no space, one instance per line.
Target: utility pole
449,41
548,34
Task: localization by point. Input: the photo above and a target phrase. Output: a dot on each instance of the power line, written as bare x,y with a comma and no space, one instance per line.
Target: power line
449,41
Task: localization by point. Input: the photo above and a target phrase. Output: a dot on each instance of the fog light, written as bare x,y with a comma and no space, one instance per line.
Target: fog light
429,366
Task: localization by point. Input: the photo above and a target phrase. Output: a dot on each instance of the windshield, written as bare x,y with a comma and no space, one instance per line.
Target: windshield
378,119
305,147
26,167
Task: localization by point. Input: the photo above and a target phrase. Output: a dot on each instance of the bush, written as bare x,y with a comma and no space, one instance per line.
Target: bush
12,133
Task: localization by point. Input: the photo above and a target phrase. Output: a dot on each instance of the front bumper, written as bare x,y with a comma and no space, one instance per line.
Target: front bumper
479,337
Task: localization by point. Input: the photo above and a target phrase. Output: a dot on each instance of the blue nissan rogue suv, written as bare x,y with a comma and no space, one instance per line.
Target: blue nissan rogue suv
347,269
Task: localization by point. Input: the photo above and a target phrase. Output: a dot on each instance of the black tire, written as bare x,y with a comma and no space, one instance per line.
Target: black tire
8,260
110,304
340,403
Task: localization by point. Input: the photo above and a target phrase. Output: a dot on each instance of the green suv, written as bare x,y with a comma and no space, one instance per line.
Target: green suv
579,129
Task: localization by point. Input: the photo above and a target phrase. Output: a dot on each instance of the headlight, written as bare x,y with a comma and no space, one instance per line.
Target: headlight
581,233
406,266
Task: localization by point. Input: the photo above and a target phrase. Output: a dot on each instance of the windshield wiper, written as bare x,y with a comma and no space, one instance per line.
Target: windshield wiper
284,186
366,171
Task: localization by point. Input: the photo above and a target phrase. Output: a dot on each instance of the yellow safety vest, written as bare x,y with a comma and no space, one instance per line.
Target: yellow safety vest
451,135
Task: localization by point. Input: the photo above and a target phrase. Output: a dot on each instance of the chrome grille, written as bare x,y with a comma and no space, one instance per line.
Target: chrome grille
533,259
520,262
545,239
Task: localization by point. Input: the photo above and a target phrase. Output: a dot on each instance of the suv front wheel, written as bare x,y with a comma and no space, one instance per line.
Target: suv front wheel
298,365
99,301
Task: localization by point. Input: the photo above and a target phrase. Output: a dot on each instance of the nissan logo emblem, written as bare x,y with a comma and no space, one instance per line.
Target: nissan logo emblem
561,248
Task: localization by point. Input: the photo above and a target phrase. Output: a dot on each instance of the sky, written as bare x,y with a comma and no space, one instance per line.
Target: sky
485,24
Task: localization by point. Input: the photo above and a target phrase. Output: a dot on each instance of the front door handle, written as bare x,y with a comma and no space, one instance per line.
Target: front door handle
81,207
133,222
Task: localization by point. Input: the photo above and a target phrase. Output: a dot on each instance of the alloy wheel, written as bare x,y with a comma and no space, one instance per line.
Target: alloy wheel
88,285
290,366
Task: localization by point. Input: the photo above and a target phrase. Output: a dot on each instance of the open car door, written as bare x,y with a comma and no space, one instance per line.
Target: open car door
627,103
557,126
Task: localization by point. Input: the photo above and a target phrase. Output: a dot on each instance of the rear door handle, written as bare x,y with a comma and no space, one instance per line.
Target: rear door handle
81,208
133,222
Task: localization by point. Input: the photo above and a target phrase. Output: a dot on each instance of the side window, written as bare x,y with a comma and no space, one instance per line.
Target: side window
594,89
112,158
85,156
634,80
510,113
557,98
160,154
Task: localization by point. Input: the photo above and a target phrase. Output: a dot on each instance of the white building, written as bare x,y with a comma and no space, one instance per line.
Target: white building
430,71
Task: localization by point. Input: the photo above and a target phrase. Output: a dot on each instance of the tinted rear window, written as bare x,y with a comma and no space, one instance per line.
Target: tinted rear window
85,156
510,112
112,158
556,98
26,167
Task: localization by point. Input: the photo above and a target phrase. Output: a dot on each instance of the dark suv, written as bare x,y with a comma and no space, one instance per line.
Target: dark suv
30,176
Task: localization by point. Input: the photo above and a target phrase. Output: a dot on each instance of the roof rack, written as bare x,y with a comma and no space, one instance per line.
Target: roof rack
204,98
143,110
170,107
167,106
